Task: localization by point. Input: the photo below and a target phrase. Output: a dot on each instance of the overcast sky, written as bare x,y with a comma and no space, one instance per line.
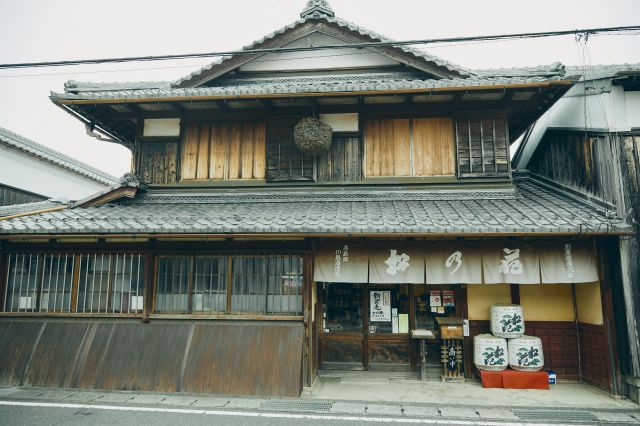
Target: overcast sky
32,30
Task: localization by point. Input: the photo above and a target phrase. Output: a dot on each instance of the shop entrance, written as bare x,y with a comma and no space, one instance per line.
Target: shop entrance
367,326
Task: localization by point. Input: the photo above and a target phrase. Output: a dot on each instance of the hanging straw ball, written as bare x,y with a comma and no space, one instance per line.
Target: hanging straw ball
312,136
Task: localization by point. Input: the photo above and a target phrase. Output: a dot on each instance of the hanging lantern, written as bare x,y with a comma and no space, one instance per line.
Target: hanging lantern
312,136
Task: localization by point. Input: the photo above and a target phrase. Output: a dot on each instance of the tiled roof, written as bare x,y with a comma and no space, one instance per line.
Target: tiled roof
593,72
30,207
550,70
301,85
534,208
21,143
418,53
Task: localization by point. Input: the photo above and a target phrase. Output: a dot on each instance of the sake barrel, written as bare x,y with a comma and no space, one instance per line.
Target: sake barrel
525,353
490,352
507,321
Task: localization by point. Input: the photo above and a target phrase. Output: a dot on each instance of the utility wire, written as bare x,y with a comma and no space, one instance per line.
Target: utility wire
311,48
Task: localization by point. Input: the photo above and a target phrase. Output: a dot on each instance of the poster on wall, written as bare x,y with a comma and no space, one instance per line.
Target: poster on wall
435,298
380,306
448,299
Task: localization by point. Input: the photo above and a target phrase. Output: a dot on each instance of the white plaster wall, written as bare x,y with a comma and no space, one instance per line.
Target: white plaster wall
31,174
318,59
632,101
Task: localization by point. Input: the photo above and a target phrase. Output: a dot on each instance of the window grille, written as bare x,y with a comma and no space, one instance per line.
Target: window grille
74,283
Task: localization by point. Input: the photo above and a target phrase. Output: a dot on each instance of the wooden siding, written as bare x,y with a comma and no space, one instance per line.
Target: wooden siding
409,147
10,196
285,161
254,358
433,150
386,147
223,151
158,162
594,355
343,161
606,166
482,146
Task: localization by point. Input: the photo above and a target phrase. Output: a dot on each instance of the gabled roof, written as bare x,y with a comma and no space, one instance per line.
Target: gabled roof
534,208
316,14
54,157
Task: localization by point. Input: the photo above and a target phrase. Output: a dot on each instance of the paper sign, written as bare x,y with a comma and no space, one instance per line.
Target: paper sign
380,306
394,320
435,298
403,323
448,298
465,328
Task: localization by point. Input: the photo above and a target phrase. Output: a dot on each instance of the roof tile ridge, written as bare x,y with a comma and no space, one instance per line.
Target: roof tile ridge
21,142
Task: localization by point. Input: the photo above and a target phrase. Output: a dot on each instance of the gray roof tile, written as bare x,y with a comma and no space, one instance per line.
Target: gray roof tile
533,208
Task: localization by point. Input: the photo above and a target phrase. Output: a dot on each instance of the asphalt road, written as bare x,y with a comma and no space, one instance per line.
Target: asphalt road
51,415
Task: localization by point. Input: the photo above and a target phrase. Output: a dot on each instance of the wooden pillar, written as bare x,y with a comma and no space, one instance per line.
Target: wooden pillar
307,298
607,254
4,272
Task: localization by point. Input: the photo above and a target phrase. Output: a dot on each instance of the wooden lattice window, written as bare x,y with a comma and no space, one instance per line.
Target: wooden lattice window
482,147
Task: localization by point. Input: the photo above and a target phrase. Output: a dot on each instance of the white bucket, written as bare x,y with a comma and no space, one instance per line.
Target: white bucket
507,321
490,353
525,353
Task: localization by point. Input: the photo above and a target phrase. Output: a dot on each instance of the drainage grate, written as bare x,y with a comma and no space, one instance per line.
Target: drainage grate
294,405
553,415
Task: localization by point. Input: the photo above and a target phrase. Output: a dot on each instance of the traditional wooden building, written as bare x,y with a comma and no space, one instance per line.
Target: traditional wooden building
235,262
589,142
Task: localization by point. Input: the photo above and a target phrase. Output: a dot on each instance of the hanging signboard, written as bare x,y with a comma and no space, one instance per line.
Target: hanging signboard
511,262
380,306
453,262
341,263
399,264
567,262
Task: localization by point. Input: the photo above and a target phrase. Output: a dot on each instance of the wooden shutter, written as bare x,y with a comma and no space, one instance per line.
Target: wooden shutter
223,151
482,147
343,161
387,148
433,147
285,161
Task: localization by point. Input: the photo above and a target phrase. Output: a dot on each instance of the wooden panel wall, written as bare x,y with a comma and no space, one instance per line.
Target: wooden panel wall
482,146
433,147
223,151
249,358
157,162
10,196
343,161
594,355
285,162
387,148
409,147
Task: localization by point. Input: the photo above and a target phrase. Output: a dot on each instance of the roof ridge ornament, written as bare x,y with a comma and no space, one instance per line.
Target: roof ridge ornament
317,9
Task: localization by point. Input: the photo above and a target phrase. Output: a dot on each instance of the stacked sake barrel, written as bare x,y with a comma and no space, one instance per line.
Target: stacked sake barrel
507,344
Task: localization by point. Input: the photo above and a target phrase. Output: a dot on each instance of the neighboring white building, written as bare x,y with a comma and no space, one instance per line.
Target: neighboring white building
606,100
30,172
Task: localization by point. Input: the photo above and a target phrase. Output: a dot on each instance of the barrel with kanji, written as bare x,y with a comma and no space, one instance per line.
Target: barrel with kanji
490,352
507,321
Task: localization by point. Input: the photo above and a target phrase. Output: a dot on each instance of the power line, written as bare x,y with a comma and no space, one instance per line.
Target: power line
311,48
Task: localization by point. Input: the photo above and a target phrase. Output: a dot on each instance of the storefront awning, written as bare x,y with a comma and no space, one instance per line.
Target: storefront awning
457,262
